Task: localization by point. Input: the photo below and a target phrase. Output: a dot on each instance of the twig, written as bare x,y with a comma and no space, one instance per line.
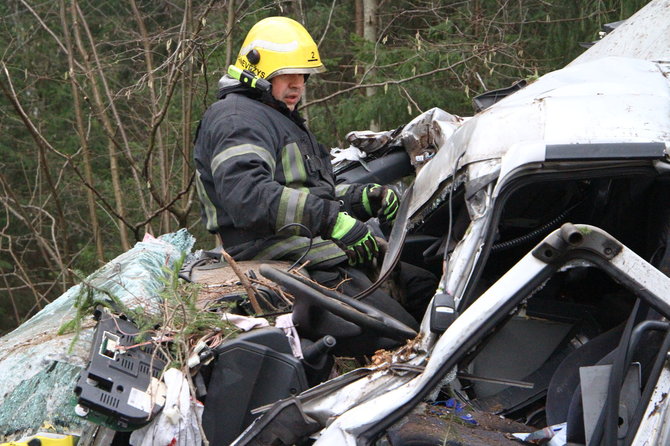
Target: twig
288,299
245,281
409,98
330,16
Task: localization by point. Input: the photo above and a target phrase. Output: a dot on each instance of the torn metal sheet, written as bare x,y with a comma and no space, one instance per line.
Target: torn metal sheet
39,367
424,135
421,138
369,141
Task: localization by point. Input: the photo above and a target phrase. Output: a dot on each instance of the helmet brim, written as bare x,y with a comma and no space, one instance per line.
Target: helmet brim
298,70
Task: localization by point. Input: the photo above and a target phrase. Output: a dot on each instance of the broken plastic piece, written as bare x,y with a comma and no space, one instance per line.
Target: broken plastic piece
557,434
457,408
43,439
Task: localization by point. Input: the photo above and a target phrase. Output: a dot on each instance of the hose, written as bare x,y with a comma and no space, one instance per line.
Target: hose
542,230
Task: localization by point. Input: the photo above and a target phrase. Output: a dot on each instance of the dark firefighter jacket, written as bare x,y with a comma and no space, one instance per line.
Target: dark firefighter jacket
258,170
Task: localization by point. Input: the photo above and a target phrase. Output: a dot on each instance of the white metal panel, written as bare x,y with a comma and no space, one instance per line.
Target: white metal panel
645,35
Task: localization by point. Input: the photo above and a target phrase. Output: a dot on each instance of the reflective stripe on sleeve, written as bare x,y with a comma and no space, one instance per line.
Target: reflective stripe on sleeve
324,251
291,208
341,190
292,248
243,150
281,248
207,205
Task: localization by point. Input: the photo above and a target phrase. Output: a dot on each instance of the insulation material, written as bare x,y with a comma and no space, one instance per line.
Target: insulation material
39,367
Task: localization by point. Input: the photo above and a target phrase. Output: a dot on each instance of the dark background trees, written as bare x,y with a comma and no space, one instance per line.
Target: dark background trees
100,101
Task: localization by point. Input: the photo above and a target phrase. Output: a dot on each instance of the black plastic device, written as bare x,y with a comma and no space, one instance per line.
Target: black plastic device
120,387
442,313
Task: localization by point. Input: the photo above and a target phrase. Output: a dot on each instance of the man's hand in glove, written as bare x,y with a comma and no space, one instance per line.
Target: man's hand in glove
380,201
355,240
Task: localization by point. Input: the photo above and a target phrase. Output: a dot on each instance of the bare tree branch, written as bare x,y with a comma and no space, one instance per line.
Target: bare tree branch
385,83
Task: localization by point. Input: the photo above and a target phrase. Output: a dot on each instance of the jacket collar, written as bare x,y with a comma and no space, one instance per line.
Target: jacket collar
228,85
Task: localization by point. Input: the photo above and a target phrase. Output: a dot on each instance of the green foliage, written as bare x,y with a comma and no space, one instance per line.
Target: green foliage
179,318
85,301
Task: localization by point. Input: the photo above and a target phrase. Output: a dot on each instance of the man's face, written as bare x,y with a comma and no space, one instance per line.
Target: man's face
288,88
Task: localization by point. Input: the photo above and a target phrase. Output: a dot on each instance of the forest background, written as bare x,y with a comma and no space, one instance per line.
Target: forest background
101,98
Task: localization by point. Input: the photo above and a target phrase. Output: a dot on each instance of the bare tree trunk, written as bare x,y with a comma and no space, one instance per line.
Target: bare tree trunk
370,34
11,297
102,116
60,223
187,105
118,127
81,131
297,11
370,20
477,18
186,139
164,187
118,195
230,22
359,17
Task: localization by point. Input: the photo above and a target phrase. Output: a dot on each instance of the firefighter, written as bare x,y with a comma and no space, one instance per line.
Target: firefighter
265,184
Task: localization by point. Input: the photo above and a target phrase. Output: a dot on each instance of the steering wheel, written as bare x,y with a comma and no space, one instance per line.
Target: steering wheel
351,310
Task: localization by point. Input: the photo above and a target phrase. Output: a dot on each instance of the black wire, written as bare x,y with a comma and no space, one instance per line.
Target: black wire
309,247
535,233
187,273
641,328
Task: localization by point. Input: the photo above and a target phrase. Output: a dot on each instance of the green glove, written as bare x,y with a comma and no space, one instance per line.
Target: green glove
381,202
355,240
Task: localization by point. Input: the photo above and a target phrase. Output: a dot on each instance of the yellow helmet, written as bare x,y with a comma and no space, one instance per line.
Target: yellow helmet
279,45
